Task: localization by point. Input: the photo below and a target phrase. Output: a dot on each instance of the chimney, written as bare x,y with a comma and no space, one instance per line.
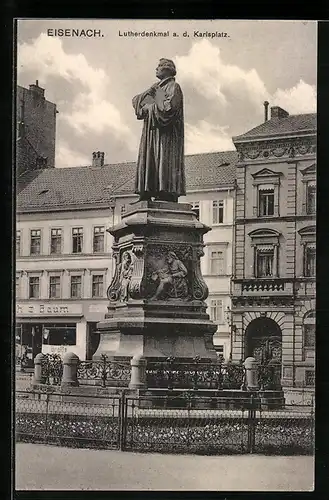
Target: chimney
266,104
98,159
38,91
277,112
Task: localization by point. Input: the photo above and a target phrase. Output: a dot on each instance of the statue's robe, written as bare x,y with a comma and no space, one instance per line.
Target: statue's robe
160,164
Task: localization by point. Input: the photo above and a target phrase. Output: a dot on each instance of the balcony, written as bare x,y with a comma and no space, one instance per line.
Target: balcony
259,287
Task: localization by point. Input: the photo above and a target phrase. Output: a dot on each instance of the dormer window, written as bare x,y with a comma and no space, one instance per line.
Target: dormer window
266,185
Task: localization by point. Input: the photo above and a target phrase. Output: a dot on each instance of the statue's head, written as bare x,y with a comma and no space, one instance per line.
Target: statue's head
171,257
126,257
165,68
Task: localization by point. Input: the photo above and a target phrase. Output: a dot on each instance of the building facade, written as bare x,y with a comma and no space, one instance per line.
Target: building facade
36,129
273,285
63,249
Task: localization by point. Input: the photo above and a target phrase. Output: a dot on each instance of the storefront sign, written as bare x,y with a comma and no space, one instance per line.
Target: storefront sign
29,309
54,349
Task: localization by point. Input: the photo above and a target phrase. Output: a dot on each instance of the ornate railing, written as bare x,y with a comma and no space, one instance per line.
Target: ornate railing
198,374
172,374
104,372
263,285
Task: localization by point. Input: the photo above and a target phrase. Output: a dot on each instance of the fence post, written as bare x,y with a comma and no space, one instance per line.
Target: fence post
70,370
122,422
46,418
138,369
251,368
39,377
251,424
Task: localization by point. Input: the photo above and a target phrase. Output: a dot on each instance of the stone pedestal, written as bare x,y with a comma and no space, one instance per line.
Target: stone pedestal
157,296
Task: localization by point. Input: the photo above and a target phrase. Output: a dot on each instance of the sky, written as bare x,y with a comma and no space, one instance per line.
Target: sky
225,80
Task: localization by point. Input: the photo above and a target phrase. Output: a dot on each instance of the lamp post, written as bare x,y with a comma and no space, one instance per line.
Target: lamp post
229,319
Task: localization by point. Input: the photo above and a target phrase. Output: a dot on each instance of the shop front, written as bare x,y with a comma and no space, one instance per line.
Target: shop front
56,328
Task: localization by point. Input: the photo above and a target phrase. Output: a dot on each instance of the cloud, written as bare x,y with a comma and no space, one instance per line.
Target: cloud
227,85
67,157
205,137
90,110
204,69
299,99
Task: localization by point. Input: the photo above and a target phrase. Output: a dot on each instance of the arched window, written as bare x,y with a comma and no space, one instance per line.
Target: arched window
309,334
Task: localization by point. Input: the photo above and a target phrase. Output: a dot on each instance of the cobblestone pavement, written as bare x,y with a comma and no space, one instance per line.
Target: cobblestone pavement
42,467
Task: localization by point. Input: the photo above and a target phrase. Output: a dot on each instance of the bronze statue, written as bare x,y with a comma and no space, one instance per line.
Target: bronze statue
160,166
172,278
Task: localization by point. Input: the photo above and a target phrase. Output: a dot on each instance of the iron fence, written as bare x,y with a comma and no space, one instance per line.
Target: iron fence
182,422
204,375
104,372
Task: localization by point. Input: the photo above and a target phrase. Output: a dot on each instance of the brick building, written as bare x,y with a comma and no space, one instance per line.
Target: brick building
273,286
36,129
63,251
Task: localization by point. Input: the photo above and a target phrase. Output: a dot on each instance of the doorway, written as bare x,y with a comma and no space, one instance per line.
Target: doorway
263,340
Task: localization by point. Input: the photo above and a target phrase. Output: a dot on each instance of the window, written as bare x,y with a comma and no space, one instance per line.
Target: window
97,285
34,287
18,286
98,243
76,282
216,310
77,239
217,262
310,262
264,263
35,242
196,208
54,287
123,210
18,243
265,202
311,198
217,212
59,334
309,334
56,241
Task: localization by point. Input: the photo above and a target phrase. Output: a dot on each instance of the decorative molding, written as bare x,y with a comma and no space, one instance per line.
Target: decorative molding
276,148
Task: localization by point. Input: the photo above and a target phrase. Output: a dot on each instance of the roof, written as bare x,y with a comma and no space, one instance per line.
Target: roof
292,124
58,188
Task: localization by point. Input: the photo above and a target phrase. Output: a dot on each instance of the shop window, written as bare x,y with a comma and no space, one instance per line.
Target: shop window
18,243
59,334
77,239
98,241
216,262
264,262
54,287
217,212
266,202
35,247
196,208
97,285
56,241
76,286
216,310
34,287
